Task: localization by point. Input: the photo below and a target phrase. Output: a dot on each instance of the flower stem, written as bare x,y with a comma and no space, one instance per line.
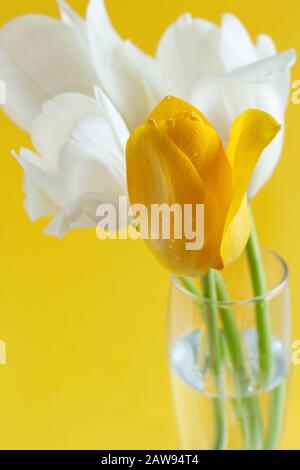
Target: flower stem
275,417
210,292
246,409
264,332
230,328
250,409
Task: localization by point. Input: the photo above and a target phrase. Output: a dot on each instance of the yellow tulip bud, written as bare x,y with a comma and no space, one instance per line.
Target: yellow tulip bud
176,157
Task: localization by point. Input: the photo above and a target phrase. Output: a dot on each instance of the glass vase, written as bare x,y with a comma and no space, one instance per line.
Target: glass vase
240,405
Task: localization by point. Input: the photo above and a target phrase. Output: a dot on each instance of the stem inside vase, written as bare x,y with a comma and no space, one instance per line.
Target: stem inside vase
256,402
264,335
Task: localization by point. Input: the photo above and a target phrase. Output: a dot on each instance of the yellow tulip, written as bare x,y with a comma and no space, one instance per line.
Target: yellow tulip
176,157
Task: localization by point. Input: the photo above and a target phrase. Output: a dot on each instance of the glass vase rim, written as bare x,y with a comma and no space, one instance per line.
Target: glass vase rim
270,294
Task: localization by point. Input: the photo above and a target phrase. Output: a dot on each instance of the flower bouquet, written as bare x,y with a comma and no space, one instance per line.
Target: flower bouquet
191,135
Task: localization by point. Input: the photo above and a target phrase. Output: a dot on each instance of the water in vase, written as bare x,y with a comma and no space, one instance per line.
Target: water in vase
249,418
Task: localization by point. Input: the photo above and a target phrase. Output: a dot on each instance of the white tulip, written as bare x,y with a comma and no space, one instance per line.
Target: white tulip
51,68
222,72
80,162
41,57
80,141
133,80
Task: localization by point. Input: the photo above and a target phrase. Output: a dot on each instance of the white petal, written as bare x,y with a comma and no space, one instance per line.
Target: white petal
156,83
52,127
114,119
48,183
71,18
98,19
273,71
265,46
264,69
189,51
266,165
71,196
40,58
81,213
263,84
94,146
132,80
37,203
236,47
23,97
59,226
223,98
88,183
82,162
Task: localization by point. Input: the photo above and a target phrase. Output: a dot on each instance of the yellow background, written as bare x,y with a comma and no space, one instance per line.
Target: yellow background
83,319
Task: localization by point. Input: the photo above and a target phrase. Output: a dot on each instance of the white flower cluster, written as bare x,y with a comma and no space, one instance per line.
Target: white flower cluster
80,89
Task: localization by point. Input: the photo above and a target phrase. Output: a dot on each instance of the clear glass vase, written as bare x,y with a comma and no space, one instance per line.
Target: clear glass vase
243,405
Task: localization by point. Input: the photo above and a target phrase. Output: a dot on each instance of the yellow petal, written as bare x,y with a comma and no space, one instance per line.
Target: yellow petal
200,142
171,106
190,130
159,172
176,157
236,236
251,133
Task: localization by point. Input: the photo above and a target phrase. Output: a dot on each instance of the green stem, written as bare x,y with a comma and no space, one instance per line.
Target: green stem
264,331
247,410
230,329
276,408
209,288
189,284
250,414
237,404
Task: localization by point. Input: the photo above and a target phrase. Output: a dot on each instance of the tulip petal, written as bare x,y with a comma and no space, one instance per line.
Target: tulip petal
264,85
51,129
236,235
94,139
81,164
98,19
236,46
188,51
48,183
190,130
265,46
37,203
150,148
72,19
171,106
266,68
80,213
114,119
62,120
197,139
159,172
61,224
132,80
251,133
36,69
